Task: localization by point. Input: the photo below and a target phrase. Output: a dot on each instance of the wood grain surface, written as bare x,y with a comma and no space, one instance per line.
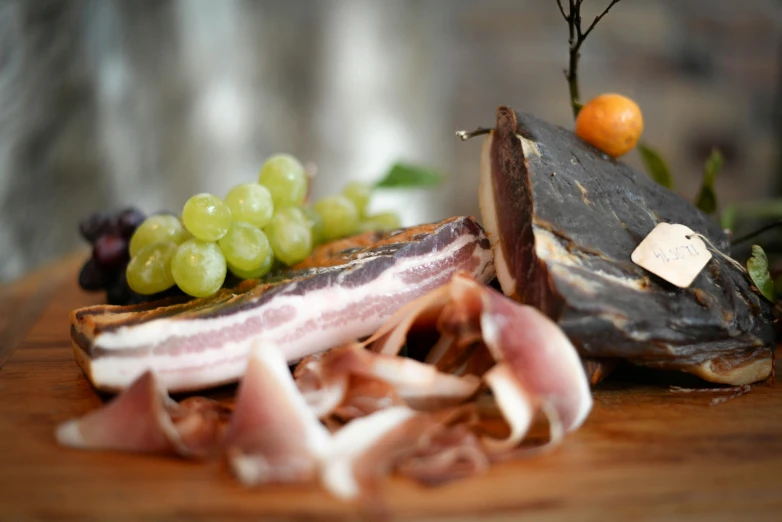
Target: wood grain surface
645,453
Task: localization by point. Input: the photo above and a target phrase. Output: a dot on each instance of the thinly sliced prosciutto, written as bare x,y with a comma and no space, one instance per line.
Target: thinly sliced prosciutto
537,368
144,419
358,412
273,435
203,343
430,447
343,376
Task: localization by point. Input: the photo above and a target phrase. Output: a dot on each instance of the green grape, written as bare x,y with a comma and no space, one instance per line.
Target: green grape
359,193
340,217
286,179
289,235
207,217
198,268
157,229
381,221
258,272
149,271
315,222
251,203
294,214
245,247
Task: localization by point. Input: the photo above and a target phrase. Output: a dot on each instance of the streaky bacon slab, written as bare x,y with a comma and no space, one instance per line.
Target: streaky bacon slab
205,342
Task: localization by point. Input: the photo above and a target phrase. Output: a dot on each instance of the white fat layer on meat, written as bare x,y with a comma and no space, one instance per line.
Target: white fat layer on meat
528,147
325,400
548,247
515,405
350,443
488,209
752,372
491,326
69,434
253,470
631,283
227,361
412,379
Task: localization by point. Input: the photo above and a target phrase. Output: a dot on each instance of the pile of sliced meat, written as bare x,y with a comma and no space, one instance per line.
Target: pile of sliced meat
490,371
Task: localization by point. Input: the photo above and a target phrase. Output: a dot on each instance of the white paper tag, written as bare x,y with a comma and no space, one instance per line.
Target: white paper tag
673,252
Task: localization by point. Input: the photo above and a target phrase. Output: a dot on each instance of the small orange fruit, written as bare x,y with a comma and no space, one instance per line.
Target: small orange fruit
610,122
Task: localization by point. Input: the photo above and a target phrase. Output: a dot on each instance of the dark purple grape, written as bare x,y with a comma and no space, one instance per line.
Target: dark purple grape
91,277
118,292
128,221
111,227
92,227
110,251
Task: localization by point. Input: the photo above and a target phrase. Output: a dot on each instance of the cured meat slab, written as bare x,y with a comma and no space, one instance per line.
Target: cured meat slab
344,292
565,220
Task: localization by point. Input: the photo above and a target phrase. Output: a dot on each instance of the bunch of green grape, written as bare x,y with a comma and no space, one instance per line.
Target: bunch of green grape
255,227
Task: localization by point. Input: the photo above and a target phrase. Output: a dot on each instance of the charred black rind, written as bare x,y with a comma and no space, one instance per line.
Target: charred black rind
597,210
374,261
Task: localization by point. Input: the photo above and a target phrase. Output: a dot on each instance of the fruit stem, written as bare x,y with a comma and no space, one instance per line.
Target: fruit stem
575,40
466,135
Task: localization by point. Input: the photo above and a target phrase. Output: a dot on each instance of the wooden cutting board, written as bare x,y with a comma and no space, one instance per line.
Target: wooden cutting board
645,453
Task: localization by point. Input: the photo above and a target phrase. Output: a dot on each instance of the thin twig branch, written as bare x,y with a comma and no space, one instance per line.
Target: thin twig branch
562,10
575,40
466,135
598,17
754,233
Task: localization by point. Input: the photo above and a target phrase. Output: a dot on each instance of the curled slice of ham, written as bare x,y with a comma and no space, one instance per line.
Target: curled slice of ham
323,390
144,419
537,353
537,370
447,450
273,435
419,385
362,451
432,448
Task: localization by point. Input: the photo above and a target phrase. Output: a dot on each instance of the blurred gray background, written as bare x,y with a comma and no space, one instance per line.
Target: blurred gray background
110,103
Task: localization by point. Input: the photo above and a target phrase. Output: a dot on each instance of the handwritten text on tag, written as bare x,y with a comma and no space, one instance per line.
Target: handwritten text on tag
673,252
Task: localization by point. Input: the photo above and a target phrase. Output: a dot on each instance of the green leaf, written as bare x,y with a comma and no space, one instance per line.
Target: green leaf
728,217
403,175
655,165
707,198
757,266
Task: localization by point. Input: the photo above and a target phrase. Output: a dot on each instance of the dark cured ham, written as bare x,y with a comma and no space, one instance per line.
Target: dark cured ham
203,343
564,220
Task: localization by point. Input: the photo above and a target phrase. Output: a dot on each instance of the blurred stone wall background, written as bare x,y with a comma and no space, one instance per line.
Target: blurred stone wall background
108,103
